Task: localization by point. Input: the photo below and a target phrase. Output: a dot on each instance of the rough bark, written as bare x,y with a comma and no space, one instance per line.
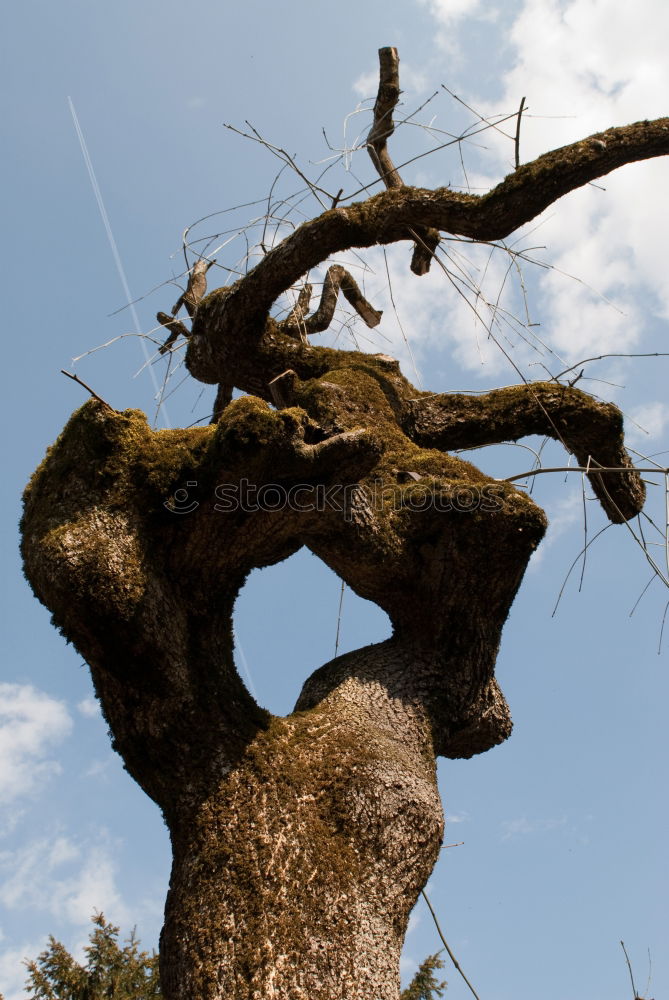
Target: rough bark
301,843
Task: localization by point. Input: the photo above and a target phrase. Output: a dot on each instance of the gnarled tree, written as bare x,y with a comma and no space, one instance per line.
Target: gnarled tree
300,843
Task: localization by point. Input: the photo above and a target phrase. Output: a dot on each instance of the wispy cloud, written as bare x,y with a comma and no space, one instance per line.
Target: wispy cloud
413,80
448,15
31,723
65,876
523,827
457,817
582,68
12,968
89,708
646,422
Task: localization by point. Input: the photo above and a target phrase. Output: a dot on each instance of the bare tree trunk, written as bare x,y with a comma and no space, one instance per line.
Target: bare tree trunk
300,844
309,854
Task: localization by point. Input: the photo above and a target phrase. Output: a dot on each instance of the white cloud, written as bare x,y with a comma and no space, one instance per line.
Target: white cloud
67,880
30,723
12,968
412,81
461,817
65,877
99,767
522,826
89,708
590,61
583,66
449,15
647,422
449,11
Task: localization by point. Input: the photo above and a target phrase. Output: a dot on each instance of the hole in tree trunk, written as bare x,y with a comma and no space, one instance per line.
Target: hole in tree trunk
285,623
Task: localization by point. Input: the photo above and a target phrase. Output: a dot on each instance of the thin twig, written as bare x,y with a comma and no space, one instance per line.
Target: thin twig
585,535
285,157
445,944
341,601
581,468
566,579
488,122
399,321
650,974
664,618
75,378
638,600
602,357
629,966
666,519
517,142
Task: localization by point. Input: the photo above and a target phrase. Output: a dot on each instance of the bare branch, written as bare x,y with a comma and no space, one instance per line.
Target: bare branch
386,217
517,140
427,240
445,942
175,327
75,378
337,277
383,126
196,288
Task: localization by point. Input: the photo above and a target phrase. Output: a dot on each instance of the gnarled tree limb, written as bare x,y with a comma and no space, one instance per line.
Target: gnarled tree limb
241,309
591,431
337,278
383,126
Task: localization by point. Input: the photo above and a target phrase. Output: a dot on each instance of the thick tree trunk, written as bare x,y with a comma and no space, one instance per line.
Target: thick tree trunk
300,844
310,853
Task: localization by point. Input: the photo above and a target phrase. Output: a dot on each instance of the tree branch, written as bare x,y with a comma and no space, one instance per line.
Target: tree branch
591,431
337,278
176,329
427,240
383,125
241,309
195,289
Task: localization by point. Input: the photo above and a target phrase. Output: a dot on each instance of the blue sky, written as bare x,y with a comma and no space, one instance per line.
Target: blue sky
564,825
